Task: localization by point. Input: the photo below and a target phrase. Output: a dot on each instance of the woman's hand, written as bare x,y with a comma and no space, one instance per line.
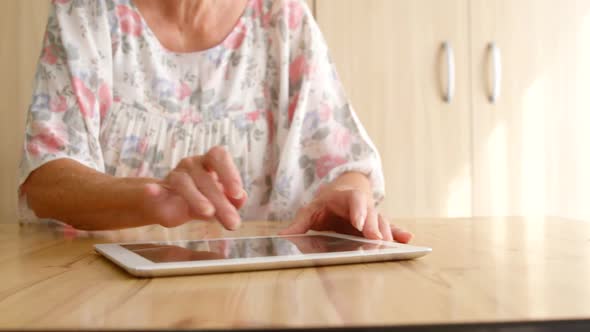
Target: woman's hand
345,209
200,187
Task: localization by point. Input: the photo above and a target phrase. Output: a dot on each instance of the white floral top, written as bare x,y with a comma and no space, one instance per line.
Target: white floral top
111,97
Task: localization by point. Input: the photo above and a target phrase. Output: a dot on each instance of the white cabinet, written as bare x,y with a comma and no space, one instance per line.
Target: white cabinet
389,55
530,153
523,154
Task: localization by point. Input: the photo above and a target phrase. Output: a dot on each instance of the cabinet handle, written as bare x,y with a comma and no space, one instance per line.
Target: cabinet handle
450,72
496,56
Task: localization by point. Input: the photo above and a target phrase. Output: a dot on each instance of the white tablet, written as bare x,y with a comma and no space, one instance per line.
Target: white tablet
154,259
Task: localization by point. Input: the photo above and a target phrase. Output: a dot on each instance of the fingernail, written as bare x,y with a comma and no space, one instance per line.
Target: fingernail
208,209
235,222
360,221
379,235
240,195
234,226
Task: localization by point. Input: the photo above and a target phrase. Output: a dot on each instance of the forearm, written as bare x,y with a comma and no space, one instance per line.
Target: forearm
73,193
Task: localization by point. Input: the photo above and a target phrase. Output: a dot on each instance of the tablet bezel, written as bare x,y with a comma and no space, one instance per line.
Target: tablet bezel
140,266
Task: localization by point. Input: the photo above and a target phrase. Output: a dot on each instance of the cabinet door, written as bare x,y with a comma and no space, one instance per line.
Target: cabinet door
527,146
389,56
568,144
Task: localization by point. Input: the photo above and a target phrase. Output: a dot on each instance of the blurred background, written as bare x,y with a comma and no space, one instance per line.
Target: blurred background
478,107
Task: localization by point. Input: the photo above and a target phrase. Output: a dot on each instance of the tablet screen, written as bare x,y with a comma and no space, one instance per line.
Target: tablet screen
246,248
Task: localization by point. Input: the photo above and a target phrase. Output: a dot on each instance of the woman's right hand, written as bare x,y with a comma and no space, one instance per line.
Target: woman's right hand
200,187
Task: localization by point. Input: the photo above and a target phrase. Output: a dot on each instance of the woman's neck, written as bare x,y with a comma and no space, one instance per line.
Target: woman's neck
191,25
188,13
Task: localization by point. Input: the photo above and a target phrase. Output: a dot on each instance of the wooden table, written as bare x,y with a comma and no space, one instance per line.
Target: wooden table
501,269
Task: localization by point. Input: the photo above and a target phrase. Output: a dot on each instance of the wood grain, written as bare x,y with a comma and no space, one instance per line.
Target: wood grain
480,270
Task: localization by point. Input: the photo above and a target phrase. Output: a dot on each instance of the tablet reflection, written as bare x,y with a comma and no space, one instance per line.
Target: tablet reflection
246,248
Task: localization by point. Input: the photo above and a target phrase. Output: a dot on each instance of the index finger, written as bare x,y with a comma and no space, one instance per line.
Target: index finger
220,161
225,212
351,205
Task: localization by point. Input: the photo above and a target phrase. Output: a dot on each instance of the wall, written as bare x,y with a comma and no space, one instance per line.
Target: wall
22,24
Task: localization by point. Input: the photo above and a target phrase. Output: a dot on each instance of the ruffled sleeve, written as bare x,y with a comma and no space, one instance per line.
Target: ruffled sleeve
324,138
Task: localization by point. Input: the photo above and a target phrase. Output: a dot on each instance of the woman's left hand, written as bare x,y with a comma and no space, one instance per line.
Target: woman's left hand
345,209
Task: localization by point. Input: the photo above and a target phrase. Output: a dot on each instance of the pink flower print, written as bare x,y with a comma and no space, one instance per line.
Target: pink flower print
34,149
325,112
295,14
256,6
253,116
189,116
183,91
258,11
236,37
142,145
196,118
48,56
185,116
340,139
48,139
266,20
293,107
58,104
297,69
326,163
105,99
129,20
84,96
53,142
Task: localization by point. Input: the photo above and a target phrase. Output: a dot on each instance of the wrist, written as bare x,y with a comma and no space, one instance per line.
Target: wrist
133,197
124,199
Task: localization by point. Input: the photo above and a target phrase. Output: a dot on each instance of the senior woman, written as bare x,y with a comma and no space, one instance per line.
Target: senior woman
161,112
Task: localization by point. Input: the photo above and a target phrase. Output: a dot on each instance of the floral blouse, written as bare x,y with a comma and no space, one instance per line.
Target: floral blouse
108,95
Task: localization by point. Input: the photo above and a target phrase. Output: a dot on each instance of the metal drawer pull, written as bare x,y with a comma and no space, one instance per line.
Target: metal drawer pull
496,56
450,72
